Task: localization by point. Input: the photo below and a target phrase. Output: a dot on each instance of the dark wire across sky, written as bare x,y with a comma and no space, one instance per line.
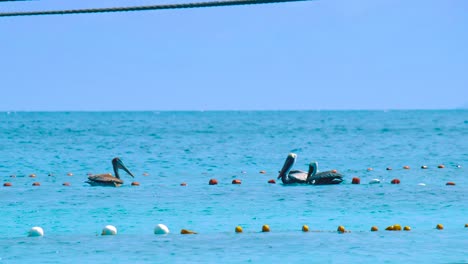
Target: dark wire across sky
145,8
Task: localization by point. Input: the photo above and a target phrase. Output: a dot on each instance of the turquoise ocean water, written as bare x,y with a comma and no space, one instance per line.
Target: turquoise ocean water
193,147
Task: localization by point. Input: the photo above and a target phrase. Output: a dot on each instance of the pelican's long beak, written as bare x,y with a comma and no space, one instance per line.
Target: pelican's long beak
118,164
290,160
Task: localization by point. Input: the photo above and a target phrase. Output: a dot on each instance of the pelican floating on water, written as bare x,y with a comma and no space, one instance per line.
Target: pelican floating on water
314,177
107,179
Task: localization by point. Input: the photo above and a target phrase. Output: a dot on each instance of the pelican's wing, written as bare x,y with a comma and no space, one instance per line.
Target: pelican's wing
105,178
298,176
326,177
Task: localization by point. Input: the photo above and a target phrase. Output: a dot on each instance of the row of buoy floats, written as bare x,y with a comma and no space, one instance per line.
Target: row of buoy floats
424,167
355,180
406,167
9,184
161,229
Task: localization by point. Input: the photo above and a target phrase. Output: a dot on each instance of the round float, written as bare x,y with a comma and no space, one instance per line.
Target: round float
161,229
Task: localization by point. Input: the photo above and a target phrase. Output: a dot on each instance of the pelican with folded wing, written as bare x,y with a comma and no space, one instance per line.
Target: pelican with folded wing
107,179
313,177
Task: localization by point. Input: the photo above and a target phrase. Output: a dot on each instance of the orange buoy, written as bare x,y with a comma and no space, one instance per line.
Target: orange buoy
213,182
36,184
374,228
439,226
272,181
265,228
262,172
450,183
356,180
395,181
423,167
7,184
406,167
135,183
32,175
66,184
441,166
236,181
341,229
183,184
334,171
370,169
187,232
389,168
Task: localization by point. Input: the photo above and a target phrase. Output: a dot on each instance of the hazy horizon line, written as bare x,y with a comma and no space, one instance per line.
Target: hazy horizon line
241,110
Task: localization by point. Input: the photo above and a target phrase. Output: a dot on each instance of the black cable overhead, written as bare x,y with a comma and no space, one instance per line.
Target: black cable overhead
146,8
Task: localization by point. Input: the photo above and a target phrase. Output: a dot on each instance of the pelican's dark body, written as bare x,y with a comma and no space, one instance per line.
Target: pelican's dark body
107,179
325,177
289,176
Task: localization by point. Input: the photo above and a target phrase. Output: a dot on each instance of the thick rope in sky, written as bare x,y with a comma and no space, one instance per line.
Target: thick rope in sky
146,8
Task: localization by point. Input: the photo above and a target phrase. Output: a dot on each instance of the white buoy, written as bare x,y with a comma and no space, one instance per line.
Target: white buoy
421,184
374,181
36,232
161,229
109,230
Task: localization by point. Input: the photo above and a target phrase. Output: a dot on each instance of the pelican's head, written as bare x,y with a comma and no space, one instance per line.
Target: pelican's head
118,164
290,160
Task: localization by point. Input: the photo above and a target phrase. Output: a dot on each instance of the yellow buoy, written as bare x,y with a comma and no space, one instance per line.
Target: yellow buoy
305,228
374,228
341,229
466,225
389,228
239,229
397,227
440,226
407,228
265,228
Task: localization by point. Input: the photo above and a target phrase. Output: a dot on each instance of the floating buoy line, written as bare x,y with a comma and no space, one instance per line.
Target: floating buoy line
162,229
213,181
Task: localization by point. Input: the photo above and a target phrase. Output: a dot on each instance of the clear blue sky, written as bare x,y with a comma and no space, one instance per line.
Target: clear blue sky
327,54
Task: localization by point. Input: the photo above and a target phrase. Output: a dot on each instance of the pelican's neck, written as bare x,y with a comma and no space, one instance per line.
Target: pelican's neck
288,164
312,169
116,170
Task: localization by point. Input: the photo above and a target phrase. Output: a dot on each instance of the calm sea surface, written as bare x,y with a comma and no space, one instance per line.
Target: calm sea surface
164,149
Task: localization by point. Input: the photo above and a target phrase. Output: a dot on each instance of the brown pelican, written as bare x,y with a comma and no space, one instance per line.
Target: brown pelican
314,177
324,177
107,179
289,176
